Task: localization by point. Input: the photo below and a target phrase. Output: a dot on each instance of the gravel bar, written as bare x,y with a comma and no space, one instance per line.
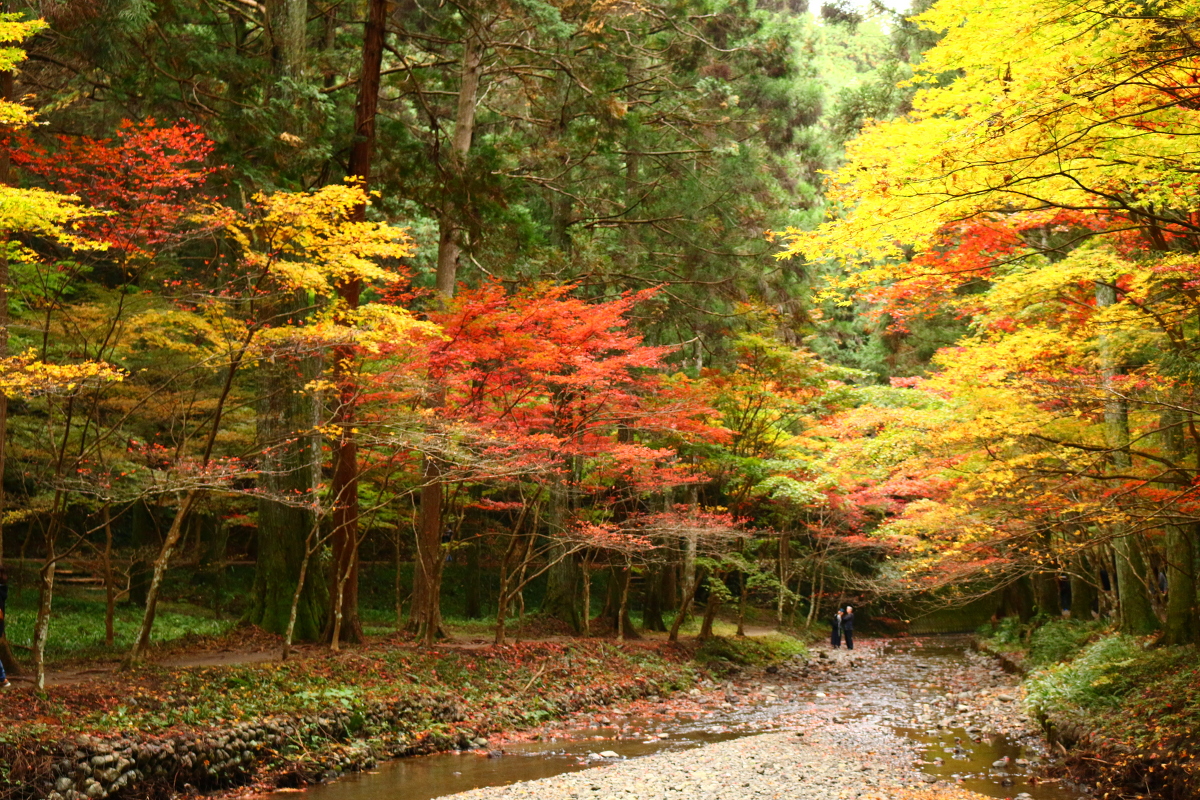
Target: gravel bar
855,760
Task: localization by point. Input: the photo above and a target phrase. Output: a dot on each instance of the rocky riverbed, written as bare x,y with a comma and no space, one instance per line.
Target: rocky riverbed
888,720
854,761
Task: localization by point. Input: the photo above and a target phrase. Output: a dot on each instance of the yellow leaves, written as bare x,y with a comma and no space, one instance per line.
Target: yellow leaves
171,329
1087,108
14,29
311,241
27,376
369,327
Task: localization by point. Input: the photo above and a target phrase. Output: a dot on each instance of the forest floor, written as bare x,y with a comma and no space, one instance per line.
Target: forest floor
244,645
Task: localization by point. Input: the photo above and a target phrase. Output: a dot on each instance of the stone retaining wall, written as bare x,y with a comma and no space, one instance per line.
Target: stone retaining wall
93,767
318,747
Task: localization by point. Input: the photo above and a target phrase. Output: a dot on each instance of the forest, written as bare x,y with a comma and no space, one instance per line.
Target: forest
346,324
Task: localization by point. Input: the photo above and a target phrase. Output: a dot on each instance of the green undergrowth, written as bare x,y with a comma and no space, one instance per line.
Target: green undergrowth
1134,708
77,624
723,654
1061,640
1041,641
1145,698
511,686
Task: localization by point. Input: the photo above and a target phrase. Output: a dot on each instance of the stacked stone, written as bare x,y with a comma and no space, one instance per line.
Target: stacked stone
93,768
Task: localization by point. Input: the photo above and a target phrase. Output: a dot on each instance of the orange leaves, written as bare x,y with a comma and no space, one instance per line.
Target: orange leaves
146,177
545,362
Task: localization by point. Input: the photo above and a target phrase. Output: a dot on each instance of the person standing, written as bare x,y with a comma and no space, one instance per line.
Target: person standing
835,640
4,682
848,627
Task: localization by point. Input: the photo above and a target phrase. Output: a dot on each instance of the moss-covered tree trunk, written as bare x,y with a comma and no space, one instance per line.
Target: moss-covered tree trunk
652,598
287,480
564,578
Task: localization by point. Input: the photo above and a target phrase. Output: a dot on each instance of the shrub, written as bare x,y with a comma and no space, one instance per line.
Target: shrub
1090,681
1060,640
1002,635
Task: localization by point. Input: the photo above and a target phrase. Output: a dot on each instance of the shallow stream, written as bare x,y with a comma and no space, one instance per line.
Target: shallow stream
910,688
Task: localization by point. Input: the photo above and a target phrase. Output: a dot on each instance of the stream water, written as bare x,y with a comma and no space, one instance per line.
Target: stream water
904,689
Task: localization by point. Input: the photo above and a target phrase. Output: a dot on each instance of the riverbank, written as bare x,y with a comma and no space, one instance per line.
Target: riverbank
152,731
930,718
1124,713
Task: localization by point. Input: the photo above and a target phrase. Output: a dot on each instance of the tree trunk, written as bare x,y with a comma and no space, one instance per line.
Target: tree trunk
109,589
6,92
587,594
344,489
745,587
689,595
289,472
311,543
41,628
146,540
287,23
142,644
690,580
1017,600
427,593
1181,612
785,576
1083,589
1136,611
397,584
653,599
450,220
625,627
670,584
1181,626
474,589
563,579
710,615
1046,595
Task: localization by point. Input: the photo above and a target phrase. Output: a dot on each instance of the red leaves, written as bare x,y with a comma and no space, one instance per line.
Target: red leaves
554,373
146,176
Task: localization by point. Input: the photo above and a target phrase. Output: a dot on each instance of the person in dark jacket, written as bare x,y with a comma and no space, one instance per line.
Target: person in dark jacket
4,683
835,640
848,627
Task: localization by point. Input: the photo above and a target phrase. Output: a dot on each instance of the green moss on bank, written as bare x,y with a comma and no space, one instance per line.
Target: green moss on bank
1130,710
721,654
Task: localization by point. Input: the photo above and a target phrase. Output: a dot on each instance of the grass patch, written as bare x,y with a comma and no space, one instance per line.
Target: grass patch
722,654
77,624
